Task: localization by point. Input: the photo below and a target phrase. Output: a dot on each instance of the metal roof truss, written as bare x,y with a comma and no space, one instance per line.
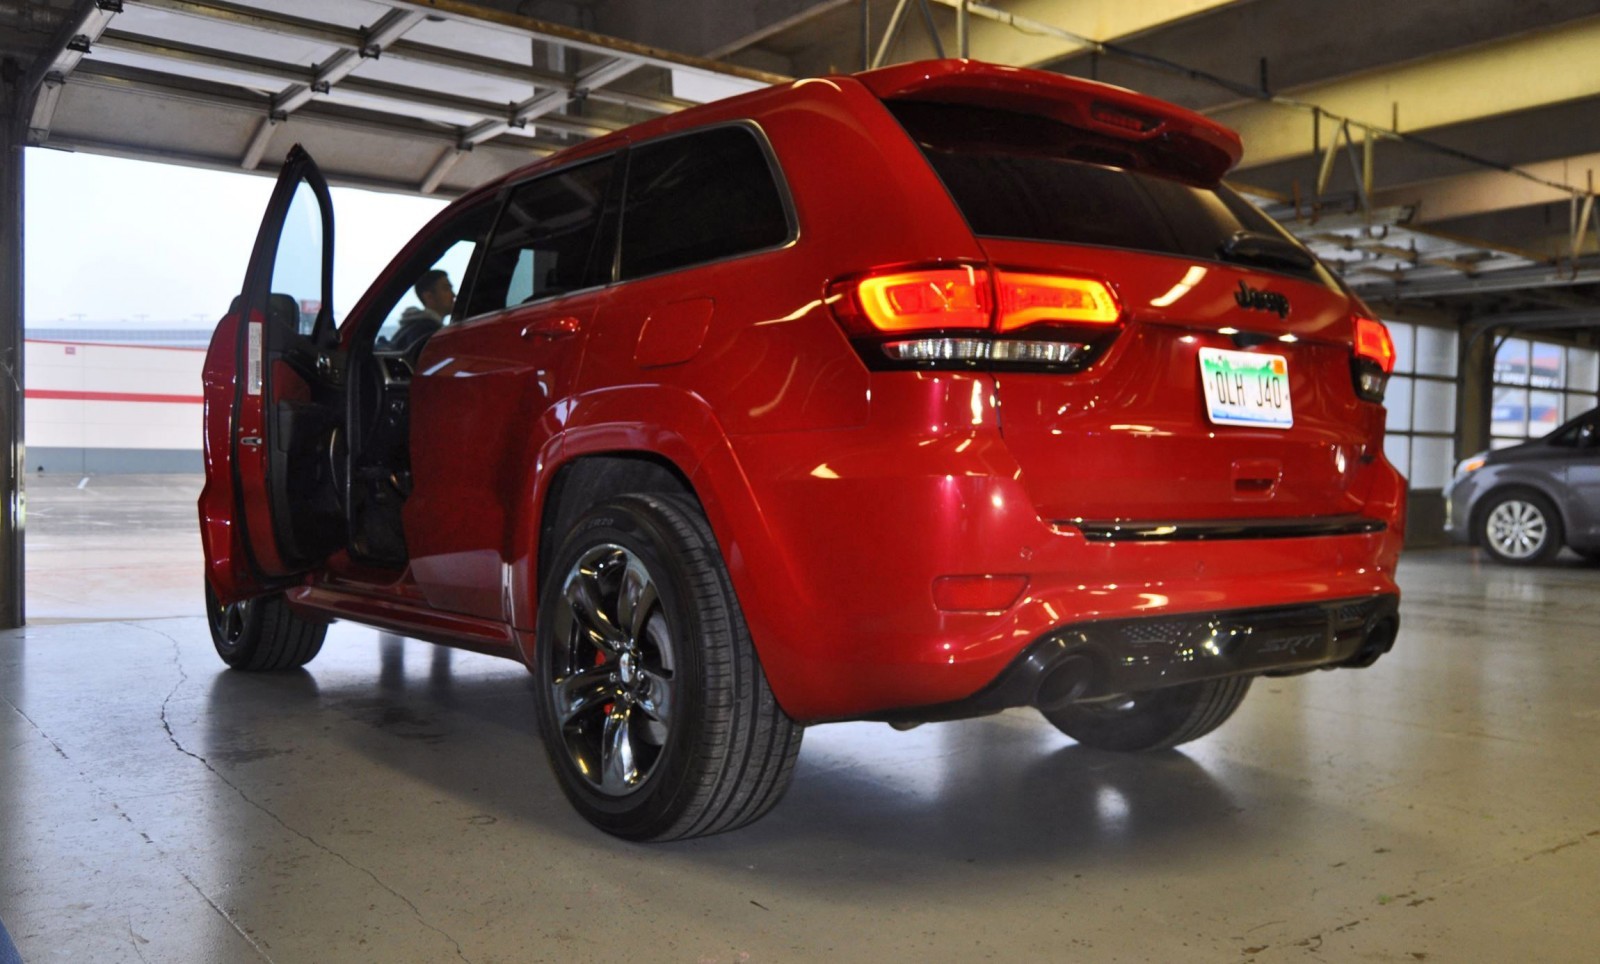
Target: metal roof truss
420,97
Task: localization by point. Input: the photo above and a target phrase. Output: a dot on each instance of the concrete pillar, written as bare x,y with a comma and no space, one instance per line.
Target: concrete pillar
13,497
1475,399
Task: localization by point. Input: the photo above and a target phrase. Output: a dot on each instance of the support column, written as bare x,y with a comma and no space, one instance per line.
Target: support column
1475,399
14,106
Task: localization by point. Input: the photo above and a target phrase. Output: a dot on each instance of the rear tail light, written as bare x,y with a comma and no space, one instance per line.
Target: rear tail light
972,317
1374,358
920,300
1037,299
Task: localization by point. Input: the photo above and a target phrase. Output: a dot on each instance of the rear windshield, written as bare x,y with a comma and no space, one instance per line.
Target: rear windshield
1032,178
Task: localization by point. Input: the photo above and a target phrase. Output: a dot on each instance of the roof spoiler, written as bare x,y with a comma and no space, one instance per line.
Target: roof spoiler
1160,131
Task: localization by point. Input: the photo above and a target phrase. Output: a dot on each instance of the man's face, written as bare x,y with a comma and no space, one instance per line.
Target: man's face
441,298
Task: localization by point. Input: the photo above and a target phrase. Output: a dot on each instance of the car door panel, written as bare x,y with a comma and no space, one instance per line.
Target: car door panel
270,510
488,399
1583,486
492,394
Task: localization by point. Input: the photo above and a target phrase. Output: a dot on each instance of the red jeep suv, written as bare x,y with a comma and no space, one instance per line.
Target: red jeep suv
911,395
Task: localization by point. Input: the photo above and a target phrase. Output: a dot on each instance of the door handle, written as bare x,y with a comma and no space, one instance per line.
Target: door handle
553,328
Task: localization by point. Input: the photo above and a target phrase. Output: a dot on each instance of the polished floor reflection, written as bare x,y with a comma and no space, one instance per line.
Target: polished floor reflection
391,803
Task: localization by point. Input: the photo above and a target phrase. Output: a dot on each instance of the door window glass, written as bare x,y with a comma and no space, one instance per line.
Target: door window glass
698,198
548,240
296,291
453,264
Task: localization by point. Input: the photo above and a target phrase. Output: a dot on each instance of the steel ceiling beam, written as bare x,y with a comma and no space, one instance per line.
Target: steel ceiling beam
590,42
386,31
290,26
552,92
539,107
1484,192
389,28
1521,73
135,80
1513,279
405,51
1031,32
416,53
255,18
274,89
448,159
83,36
226,164
404,99
778,27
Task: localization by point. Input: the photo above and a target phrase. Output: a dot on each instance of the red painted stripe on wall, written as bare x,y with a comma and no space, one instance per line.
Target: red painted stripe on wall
68,396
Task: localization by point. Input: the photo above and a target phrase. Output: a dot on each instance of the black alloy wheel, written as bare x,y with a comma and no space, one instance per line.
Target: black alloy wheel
263,633
655,713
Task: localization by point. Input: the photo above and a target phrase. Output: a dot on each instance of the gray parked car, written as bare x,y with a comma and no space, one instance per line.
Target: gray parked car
1523,503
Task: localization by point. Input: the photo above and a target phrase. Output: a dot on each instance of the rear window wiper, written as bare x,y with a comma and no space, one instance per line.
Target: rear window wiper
1265,250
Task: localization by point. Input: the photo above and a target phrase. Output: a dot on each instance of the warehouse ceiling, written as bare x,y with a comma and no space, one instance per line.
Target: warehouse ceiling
406,96
1438,152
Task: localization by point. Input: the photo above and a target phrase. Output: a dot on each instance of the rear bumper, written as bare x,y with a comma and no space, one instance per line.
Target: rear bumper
834,542
1107,658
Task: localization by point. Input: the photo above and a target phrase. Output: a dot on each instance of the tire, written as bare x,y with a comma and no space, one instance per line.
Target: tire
1156,720
654,710
1520,528
262,634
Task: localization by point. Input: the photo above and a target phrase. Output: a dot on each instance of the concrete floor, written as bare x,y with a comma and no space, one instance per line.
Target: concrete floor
392,803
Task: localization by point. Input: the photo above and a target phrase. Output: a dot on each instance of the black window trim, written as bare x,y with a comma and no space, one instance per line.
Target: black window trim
609,207
774,169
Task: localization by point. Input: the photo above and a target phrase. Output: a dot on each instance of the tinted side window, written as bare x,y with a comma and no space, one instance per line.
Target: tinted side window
548,240
697,198
1582,433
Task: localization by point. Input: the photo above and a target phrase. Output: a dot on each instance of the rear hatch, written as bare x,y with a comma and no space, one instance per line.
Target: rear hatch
1226,389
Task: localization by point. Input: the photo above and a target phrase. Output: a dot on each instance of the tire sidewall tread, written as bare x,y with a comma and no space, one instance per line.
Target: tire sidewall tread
736,757
274,636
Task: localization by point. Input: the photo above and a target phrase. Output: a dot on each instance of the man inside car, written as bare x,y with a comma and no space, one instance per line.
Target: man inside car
417,324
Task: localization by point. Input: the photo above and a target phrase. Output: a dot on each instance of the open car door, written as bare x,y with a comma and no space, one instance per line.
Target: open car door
271,507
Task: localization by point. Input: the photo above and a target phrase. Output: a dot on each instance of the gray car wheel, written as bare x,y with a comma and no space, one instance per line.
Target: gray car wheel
1520,529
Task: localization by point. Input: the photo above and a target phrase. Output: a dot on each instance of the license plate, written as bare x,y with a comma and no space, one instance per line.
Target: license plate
1246,388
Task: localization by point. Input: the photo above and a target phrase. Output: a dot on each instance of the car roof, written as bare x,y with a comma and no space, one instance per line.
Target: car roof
1090,104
